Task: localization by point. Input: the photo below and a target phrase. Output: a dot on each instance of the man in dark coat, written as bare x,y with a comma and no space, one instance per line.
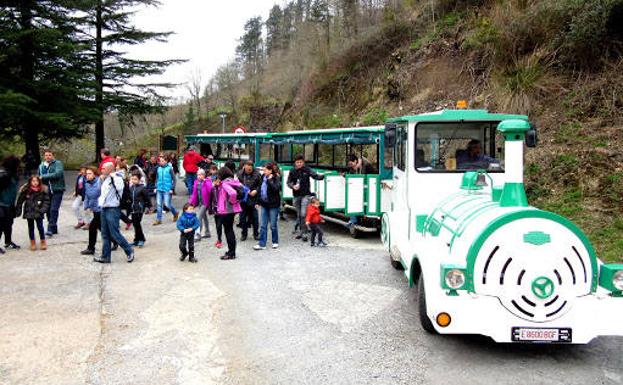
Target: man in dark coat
8,193
299,182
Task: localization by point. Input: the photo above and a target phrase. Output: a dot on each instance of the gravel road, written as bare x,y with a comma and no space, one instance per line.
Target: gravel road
296,315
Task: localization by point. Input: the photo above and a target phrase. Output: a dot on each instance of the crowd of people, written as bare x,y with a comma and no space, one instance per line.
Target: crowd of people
114,192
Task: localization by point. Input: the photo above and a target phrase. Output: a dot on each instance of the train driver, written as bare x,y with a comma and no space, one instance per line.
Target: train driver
473,157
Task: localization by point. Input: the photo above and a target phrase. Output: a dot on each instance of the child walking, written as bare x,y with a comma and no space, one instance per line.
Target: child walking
200,198
140,201
34,199
187,224
313,220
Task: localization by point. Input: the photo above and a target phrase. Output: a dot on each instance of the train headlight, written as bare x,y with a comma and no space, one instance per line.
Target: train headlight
617,280
455,279
452,277
611,278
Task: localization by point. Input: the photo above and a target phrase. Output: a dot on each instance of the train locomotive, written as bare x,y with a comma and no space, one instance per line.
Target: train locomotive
484,261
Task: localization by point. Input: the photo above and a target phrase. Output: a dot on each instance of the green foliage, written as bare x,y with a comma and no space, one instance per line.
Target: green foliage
325,121
483,34
608,241
375,116
568,132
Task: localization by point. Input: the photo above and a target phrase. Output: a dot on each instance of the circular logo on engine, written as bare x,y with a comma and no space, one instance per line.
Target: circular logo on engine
542,287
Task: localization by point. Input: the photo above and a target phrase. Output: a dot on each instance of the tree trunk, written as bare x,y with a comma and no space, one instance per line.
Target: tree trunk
99,83
27,65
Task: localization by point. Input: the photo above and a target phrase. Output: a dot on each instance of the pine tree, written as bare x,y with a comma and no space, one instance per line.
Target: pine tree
274,36
117,87
250,50
44,80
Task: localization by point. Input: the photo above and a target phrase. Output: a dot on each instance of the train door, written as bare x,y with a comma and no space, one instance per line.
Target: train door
400,205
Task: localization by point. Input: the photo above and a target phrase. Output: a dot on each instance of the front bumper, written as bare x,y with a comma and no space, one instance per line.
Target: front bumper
590,316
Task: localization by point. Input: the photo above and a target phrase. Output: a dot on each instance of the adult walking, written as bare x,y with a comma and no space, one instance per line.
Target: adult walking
251,178
191,165
92,191
270,202
200,198
9,180
109,201
299,182
52,174
165,180
227,206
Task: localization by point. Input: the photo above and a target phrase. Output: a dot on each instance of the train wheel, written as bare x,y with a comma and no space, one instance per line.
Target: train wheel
424,320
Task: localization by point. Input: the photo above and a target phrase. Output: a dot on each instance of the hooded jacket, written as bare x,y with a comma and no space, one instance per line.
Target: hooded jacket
227,197
92,191
34,204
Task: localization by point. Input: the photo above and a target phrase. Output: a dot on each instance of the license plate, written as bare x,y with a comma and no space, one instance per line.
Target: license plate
525,334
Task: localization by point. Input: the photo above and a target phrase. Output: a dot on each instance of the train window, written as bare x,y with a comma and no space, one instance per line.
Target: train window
309,153
325,155
457,146
388,157
266,152
341,152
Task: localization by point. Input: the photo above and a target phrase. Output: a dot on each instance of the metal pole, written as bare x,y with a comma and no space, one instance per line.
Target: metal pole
223,119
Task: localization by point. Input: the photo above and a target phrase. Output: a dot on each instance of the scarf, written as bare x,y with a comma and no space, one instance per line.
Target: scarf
189,216
35,189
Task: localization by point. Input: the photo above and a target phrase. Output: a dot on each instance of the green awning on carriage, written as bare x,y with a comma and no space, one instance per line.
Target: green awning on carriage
357,135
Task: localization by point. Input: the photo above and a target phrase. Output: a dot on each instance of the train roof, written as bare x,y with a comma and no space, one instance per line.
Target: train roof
457,115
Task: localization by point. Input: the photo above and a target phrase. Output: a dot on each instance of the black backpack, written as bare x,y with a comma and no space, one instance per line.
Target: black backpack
125,199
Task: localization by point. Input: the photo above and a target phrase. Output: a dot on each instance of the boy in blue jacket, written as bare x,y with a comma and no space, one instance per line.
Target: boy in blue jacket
187,224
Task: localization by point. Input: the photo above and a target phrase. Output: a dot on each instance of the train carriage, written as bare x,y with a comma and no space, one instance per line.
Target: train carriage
484,261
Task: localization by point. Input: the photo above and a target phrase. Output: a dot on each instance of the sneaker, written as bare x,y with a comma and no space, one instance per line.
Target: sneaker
218,244
322,244
275,245
192,259
206,236
228,257
258,247
243,238
49,234
2,250
140,244
182,257
156,223
298,236
11,245
131,257
135,243
197,238
79,225
176,216
312,244
101,259
87,252
304,239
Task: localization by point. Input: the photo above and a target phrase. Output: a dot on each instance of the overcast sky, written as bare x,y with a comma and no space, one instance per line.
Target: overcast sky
206,33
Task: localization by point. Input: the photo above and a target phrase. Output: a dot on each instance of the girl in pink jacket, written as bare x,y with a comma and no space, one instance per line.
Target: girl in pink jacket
226,205
200,198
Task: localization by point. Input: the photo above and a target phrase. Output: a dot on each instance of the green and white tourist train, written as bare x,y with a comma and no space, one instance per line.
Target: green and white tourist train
450,201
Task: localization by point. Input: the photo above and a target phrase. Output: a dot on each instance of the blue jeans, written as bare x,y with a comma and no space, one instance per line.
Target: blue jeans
271,214
55,205
110,231
163,197
190,181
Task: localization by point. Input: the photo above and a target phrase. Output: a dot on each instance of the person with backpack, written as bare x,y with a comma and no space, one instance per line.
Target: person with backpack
9,180
110,200
299,182
139,201
52,175
34,202
165,179
228,193
251,179
270,202
200,198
